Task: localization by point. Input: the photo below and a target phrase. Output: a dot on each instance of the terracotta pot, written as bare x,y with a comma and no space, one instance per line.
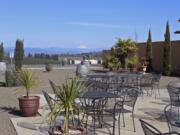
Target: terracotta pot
83,131
29,105
134,69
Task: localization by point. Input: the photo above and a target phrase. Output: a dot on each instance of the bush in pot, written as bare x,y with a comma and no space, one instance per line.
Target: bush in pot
133,61
67,93
113,63
28,104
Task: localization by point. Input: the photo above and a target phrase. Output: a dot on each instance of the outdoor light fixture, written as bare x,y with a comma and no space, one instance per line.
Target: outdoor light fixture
178,31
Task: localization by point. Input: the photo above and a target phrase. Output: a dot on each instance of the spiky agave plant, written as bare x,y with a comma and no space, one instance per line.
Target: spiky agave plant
28,80
67,93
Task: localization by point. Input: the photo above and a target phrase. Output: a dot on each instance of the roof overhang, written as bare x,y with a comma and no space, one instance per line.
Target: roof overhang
177,32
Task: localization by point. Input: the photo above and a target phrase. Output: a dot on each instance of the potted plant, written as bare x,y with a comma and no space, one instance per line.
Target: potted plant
133,61
144,64
112,63
28,104
67,93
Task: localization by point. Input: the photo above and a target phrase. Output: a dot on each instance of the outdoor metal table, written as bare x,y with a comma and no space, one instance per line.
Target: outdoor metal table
94,95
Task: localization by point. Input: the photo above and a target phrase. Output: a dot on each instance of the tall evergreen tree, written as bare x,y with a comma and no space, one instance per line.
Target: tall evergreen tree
1,52
19,54
149,52
166,56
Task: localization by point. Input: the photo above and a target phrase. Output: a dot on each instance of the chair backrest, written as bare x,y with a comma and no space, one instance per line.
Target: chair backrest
156,78
129,81
174,95
54,87
146,79
172,117
49,100
148,129
131,97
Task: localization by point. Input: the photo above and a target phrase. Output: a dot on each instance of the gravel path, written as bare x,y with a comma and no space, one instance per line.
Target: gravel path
9,103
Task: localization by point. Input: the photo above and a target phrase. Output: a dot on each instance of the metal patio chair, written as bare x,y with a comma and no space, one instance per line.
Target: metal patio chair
54,88
172,117
156,80
148,129
146,84
128,100
174,94
50,101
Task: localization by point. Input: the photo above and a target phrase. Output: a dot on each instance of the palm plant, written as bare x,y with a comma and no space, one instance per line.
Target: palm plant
133,61
125,48
28,80
28,104
67,93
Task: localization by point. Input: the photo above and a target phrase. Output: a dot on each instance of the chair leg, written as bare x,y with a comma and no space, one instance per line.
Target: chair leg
119,123
154,89
158,90
123,119
114,124
86,124
133,122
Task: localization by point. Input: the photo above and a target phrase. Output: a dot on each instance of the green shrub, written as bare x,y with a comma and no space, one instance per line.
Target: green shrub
133,61
9,78
166,54
19,54
1,52
125,48
112,63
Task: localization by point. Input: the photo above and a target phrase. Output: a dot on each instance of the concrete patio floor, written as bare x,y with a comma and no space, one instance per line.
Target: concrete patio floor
147,108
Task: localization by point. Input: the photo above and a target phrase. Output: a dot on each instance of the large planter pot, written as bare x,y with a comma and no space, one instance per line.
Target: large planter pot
49,67
86,63
134,69
29,105
81,129
82,70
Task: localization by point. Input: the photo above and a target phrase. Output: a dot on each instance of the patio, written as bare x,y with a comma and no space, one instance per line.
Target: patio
148,108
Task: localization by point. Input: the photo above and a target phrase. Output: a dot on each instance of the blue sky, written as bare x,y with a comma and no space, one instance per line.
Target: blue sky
85,23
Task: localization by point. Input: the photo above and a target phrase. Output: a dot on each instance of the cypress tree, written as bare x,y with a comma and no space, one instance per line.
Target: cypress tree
19,54
1,52
149,52
166,56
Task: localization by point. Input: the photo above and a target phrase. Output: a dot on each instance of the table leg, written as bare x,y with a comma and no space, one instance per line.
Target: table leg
94,117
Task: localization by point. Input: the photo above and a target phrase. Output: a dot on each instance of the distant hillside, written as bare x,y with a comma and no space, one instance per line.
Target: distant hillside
56,50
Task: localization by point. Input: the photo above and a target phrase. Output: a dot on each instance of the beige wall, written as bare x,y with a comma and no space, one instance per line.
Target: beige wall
157,54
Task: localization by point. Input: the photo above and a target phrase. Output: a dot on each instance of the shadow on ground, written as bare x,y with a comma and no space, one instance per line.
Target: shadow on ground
154,113
2,84
10,110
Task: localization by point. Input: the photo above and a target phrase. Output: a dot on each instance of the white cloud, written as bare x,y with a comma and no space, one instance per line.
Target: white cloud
95,24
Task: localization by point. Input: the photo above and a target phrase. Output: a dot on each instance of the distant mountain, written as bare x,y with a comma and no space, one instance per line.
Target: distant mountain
56,50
